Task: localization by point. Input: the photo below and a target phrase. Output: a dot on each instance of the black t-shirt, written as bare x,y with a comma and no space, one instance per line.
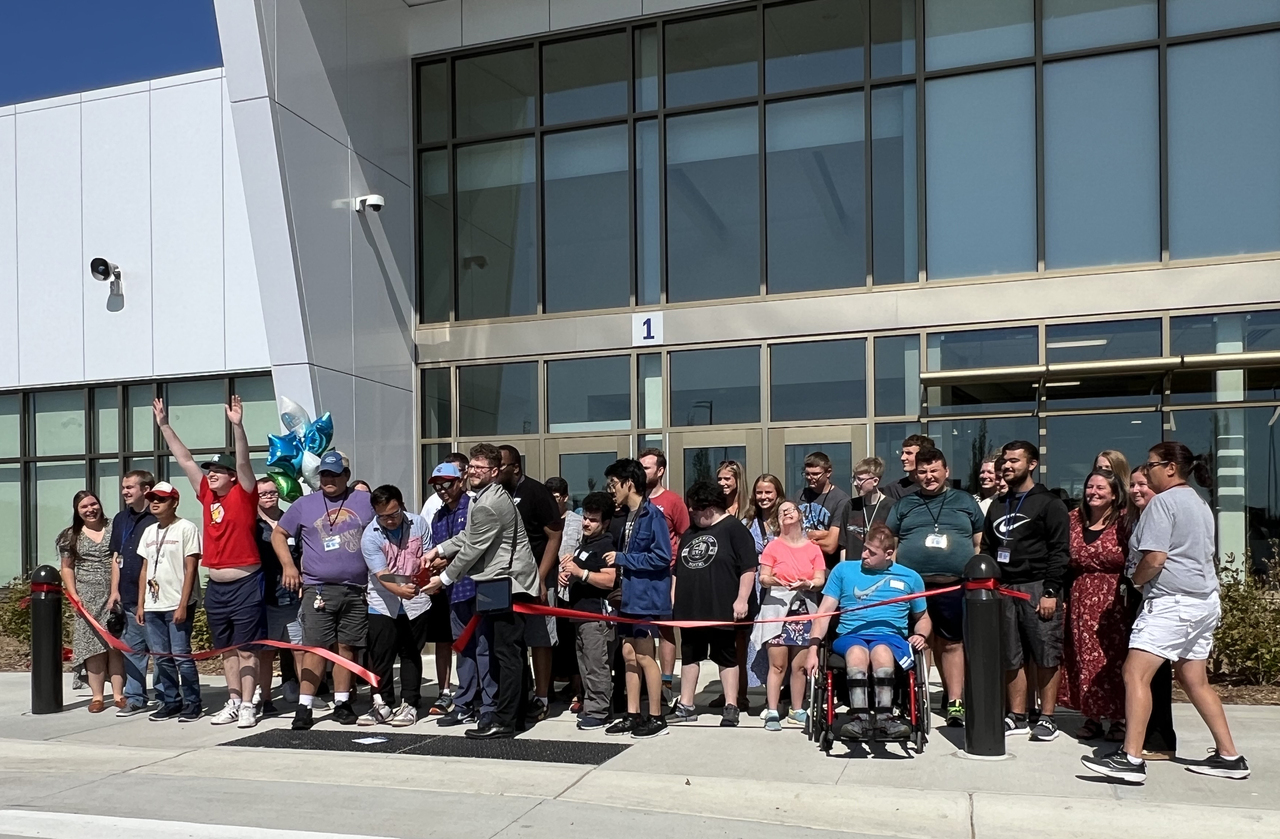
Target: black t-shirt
274,592
711,563
538,510
861,516
823,511
900,488
590,557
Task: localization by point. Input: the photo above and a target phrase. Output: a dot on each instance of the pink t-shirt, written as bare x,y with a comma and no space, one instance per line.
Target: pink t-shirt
793,564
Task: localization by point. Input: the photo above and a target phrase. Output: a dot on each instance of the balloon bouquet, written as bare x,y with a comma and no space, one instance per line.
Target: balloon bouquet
295,455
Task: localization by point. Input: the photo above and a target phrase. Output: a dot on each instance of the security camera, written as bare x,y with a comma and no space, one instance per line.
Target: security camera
106,271
373,202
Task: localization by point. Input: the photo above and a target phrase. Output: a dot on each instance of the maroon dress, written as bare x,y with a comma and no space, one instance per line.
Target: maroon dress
1098,621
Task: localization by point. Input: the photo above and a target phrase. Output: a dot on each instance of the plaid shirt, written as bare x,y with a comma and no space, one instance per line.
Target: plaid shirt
444,526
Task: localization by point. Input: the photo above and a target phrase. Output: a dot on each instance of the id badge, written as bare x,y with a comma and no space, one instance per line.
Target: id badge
936,540
332,543
1002,555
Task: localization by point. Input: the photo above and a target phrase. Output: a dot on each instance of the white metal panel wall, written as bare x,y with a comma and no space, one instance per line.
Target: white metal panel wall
246,336
8,249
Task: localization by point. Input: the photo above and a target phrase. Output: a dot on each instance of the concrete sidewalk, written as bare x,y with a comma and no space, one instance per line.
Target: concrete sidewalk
700,780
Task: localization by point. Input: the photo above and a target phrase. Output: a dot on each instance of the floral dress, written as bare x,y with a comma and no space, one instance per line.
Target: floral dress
93,584
1098,620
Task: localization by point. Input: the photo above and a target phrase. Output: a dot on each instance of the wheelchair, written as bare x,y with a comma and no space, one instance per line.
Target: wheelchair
910,698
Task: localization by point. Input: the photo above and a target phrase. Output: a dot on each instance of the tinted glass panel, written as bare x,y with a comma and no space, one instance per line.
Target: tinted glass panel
497,230
1102,181
996,397
966,443
1135,390
585,196
258,398
55,485
715,387
1073,443
106,482
897,360
106,420
893,37
648,215
1236,332
820,380
647,68
983,348
713,205
812,44
584,472
433,102
840,455
589,394
888,446
498,399
700,463
11,524
59,422
496,92
893,185
1224,129
981,168
1185,16
584,79
958,32
198,414
1102,341
10,425
817,221
433,454
712,59
1079,24
142,425
435,216
436,398
649,390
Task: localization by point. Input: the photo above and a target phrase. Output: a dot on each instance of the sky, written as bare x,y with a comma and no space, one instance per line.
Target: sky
56,47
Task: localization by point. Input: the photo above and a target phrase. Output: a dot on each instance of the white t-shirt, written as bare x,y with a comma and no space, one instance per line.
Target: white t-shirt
165,550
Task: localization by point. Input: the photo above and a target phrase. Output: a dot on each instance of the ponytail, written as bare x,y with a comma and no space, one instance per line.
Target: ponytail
1188,465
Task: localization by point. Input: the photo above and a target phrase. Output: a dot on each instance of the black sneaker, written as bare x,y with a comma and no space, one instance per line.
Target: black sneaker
893,728
1015,725
165,712
1218,766
626,724
344,714
856,728
268,709
1117,765
458,716
303,719
1045,729
650,727
191,713
729,717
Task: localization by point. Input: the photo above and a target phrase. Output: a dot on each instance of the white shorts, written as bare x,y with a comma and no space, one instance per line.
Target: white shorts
1177,627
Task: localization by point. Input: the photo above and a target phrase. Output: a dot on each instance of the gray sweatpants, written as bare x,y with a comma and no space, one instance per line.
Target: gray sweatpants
595,642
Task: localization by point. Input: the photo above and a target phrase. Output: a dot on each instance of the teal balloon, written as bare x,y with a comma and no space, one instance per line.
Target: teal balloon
319,435
287,485
284,453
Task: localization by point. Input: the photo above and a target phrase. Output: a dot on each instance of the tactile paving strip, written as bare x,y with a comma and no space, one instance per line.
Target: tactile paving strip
546,751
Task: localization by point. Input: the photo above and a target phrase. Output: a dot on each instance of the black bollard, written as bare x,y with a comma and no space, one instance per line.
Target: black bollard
46,641
983,661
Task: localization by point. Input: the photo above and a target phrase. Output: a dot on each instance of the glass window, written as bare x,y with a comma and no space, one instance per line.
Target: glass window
585,79
148,464
715,387
888,446
984,348
840,455
436,210
197,412
58,422
1073,442
896,254
819,380
495,92
700,463
433,102
1224,129
648,215
498,399
142,421
980,161
994,397
893,37
584,473
646,46
56,484
1131,390
711,59
649,390
959,32
258,396
816,181
585,195
967,442
106,420
436,403
1102,340
1228,333
1187,16
1080,24
812,44
589,394
11,526
497,230
1102,181
10,425
433,454
713,205
106,482
897,360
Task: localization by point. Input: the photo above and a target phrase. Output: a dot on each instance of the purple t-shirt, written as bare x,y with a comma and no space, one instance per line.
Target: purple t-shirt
331,531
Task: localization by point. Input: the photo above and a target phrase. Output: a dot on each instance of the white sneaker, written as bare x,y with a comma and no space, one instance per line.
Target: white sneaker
230,713
289,690
378,714
406,715
257,694
248,716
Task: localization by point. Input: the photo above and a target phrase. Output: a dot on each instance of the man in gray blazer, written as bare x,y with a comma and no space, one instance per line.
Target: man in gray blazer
493,546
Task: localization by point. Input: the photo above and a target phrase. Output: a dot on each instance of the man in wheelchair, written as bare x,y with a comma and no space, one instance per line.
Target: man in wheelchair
875,638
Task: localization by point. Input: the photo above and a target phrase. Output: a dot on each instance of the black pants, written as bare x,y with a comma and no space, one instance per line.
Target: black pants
398,637
507,660
1160,734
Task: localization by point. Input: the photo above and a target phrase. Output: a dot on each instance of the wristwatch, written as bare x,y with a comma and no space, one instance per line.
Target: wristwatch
1049,592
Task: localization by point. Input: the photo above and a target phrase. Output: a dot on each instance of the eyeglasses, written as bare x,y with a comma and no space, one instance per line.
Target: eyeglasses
1151,464
859,480
612,485
390,518
271,493
476,467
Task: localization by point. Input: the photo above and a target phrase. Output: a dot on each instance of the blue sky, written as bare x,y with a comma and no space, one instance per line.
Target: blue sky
55,47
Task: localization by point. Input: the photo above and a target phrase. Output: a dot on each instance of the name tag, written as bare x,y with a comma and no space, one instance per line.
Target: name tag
936,540
1002,555
332,543
898,584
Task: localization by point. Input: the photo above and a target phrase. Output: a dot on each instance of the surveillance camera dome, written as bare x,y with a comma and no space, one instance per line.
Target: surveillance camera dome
373,202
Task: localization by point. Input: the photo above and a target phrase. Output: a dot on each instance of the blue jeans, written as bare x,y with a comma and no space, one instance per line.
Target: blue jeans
165,636
475,680
135,664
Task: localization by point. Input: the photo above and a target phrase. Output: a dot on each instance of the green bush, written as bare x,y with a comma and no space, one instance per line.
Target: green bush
15,613
1246,645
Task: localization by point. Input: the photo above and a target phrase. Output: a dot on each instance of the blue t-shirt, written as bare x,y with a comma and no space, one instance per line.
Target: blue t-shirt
852,586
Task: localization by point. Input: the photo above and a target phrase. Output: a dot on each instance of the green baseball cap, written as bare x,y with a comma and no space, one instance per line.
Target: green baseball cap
220,461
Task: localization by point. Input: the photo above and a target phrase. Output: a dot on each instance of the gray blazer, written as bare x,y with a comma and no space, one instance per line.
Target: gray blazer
484,548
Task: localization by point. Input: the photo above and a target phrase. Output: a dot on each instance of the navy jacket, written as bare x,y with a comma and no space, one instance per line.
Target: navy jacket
646,565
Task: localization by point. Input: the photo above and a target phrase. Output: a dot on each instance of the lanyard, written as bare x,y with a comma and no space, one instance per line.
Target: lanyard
333,519
866,520
1004,540
925,503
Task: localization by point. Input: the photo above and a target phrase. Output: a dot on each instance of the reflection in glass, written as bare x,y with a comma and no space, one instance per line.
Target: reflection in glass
840,454
496,92
1132,390
142,424
1080,24
1224,129
11,525
1102,182
584,472
887,446
1187,16
981,173
649,390
497,230
967,442
983,348
976,31
10,425
648,215
893,185
435,218
59,422
893,37
106,420
990,397
700,463
258,396
715,387
433,102
55,485
646,47
584,79
436,403
897,363
589,394
713,205
818,380
585,196
1226,333
710,59
1073,442
106,482
1102,340
498,399
197,412
812,44
816,182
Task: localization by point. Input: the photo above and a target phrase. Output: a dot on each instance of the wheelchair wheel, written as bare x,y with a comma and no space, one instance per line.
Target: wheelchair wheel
922,699
809,724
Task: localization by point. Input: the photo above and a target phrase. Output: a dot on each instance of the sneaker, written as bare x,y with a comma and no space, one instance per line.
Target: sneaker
626,724
164,712
458,716
856,728
668,695
649,728
442,705
590,723
131,709
772,722
1015,725
1218,766
795,717
257,695
893,728
1117,765
344,714
683,713
268,709
729,716
405,716
230,713
955,713
289,691
191,713
537,710
378,714
303,719
1045,729
318,704
248,716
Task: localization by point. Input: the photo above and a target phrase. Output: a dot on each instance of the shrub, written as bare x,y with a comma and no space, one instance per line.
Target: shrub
15,613
1246,645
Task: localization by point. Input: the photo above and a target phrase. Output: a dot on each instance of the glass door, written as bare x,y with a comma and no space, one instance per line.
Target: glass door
695,455
581,461
845,445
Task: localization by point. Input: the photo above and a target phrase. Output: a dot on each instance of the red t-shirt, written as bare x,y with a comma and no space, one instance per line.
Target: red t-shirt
230,527
677,516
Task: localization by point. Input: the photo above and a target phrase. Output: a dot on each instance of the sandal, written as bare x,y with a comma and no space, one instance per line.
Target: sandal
1115,733
1091,730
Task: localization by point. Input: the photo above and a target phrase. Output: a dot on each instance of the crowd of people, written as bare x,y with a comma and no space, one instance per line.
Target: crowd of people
1119,593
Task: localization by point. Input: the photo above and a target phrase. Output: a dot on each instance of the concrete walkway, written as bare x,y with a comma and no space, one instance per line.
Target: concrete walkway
700,780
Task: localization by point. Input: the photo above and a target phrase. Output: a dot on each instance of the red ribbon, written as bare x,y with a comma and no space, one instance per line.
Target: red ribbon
44,588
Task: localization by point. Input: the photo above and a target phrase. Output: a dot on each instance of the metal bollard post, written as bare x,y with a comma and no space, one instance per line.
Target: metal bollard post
983,662
46,641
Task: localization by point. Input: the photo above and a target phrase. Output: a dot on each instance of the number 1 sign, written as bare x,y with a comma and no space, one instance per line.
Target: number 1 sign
646,329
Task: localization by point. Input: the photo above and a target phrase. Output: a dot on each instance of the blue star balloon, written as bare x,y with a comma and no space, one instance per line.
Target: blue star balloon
319,435
284,453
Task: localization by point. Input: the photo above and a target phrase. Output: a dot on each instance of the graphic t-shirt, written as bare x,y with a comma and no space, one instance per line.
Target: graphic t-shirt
230,526
331,531
918,520
852,586
823,511
165,550
792,564
711,563
676,513
863,514
1178,523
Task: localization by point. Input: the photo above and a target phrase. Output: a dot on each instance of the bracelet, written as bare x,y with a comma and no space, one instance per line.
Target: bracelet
585,575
